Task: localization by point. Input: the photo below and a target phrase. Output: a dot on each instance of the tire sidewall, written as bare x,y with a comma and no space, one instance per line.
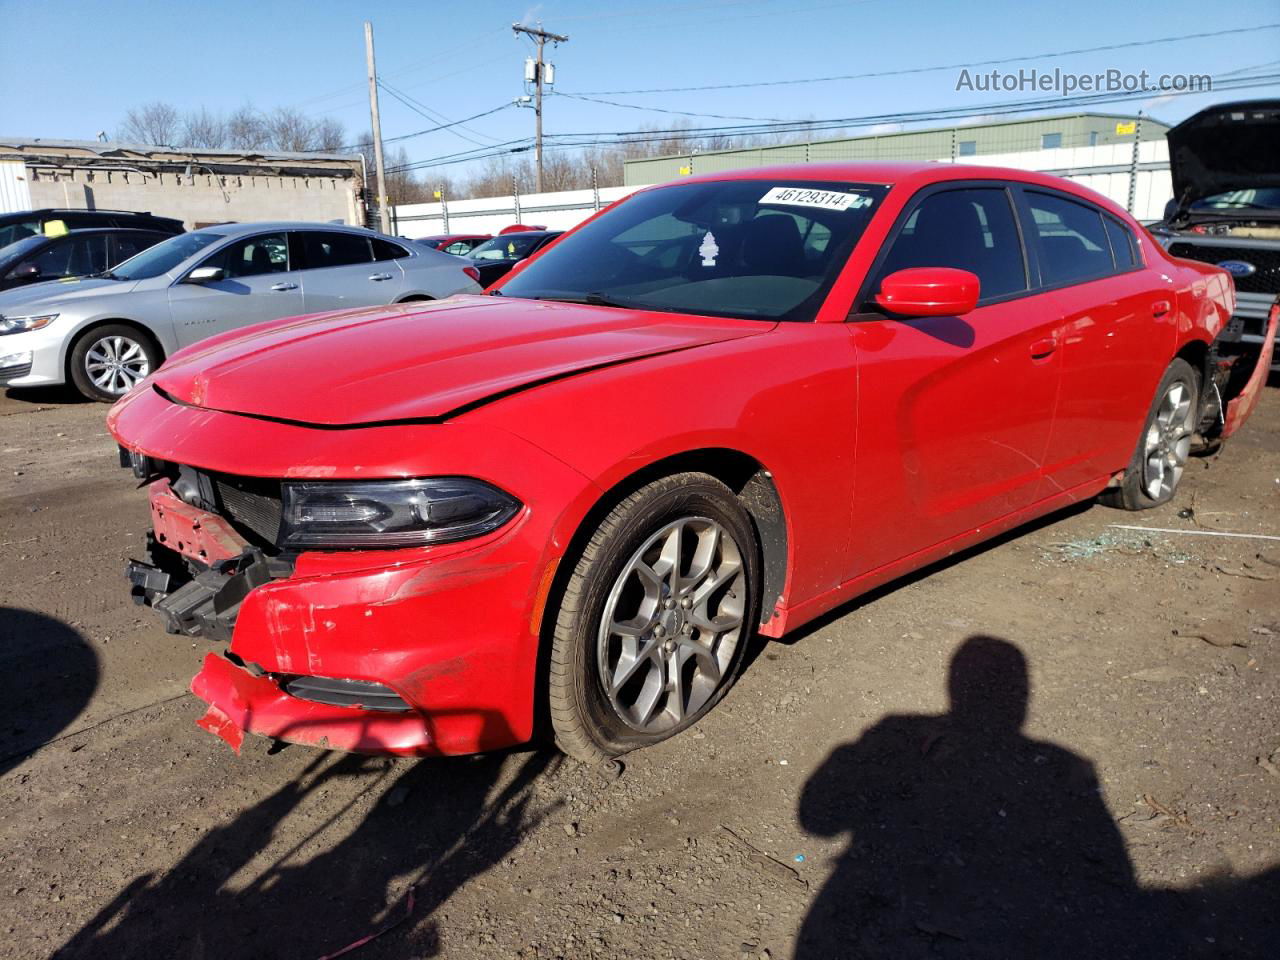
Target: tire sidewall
691,498
80,376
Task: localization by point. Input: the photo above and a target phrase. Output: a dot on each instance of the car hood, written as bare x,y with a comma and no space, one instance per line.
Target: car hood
421,361
54,293
1230,146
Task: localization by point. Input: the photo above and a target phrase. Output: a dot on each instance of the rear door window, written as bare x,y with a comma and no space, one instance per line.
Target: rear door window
1070,238
386,250
324,249
970,229
1123,244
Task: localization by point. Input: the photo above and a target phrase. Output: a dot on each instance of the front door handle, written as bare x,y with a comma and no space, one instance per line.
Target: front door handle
380,276
282,287
1042,348
1160,308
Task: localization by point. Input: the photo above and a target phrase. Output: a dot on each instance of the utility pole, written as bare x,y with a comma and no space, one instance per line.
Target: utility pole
384,212
540,38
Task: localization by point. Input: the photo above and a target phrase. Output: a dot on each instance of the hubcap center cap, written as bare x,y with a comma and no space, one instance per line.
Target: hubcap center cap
671,621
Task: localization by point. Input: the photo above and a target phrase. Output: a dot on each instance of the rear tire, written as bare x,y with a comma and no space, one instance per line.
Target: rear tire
1164,445
109,361
655,619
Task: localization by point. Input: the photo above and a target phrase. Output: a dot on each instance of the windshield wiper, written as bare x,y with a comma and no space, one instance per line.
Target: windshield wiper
104,275
589,299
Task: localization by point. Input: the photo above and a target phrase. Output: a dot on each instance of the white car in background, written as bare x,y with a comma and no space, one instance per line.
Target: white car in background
105,333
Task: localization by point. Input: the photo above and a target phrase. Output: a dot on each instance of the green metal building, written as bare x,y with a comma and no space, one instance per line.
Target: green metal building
945,143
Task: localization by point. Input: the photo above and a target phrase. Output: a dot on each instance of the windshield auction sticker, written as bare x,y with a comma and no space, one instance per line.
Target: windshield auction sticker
826,199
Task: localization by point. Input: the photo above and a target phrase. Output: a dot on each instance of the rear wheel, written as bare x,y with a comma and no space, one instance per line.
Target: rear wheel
109,361
655,618
1158,463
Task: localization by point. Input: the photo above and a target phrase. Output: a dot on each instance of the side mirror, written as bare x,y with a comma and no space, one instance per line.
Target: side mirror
26,271
929,292
204,275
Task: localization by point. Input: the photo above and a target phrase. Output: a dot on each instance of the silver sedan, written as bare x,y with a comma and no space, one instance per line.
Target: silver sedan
105,333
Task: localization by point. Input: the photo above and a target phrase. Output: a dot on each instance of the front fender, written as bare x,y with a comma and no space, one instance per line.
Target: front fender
787,399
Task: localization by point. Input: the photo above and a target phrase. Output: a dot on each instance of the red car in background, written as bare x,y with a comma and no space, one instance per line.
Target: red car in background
721,406
458,244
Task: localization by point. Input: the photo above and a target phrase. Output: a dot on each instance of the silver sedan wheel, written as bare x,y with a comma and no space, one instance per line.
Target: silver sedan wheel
1168,442
116,364
671,624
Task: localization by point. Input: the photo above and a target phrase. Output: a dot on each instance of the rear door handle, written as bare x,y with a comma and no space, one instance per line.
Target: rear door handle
1160,308
282,287
1042,348
380,276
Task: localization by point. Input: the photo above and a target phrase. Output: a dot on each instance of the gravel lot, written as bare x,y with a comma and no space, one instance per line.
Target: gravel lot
870,788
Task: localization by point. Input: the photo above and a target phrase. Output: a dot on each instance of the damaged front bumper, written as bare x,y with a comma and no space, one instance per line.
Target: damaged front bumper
400,652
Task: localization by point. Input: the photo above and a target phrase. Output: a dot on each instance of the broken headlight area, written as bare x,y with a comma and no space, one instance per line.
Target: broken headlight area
195,601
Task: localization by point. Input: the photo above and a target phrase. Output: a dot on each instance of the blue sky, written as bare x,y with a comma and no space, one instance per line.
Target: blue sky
70,69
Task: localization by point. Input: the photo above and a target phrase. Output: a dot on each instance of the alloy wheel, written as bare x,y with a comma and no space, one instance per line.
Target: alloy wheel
671,624
116,364
1168,442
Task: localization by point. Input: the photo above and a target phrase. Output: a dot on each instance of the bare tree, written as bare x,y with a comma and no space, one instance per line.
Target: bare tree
291,130
330,135
154,123
200,128
246,129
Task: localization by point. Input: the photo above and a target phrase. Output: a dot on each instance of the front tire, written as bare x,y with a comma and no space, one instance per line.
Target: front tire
109,361
1156,469
655,619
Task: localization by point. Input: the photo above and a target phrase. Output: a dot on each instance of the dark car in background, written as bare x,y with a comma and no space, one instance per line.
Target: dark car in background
495,258
1226,206
53,221
458,244
80,253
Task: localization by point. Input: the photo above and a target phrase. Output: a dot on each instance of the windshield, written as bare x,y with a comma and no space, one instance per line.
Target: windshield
9,232
514,246
20,248
164,256
1254,198
735,248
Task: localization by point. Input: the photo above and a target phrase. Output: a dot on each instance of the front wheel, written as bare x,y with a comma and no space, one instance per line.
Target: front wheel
655,618
109,361
1158,463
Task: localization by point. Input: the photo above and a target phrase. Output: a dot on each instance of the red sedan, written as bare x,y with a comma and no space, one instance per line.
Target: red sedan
722,406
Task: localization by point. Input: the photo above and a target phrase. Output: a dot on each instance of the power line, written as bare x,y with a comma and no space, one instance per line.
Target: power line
683,113
949,66
443,126
602,138
422,110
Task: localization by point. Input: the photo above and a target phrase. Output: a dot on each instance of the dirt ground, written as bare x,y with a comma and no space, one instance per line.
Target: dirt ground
1063,744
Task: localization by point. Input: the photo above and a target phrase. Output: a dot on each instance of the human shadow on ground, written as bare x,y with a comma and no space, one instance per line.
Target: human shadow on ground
48,672
434,825
969,839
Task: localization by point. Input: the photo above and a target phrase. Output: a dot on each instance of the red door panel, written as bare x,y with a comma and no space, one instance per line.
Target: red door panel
954,421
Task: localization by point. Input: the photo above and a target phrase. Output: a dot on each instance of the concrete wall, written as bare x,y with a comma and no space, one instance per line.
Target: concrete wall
201,198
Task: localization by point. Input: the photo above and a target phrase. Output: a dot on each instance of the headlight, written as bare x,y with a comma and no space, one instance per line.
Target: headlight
23,324
391,513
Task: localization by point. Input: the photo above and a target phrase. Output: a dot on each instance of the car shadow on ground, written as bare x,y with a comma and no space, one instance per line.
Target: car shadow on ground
434,824
48,672
64,396
969,839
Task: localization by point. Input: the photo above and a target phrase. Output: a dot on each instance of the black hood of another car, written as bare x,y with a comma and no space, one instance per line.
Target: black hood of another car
1230,146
